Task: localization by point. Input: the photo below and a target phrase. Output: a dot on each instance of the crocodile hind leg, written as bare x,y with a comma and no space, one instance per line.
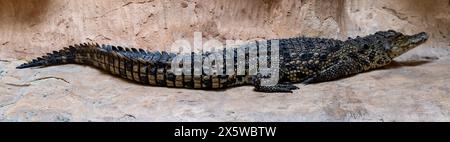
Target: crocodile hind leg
283,87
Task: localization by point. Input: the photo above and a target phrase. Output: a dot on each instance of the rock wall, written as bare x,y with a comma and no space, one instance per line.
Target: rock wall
30,28
410,16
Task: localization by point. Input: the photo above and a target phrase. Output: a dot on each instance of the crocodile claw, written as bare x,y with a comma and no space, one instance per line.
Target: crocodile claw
279,88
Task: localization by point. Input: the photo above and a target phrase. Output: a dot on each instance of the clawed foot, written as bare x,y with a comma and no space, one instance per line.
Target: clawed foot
279,88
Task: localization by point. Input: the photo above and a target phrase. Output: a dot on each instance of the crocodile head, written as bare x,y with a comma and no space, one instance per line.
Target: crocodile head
382,47
398,43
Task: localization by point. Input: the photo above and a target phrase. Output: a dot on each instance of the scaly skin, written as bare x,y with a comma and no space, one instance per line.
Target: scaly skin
302,60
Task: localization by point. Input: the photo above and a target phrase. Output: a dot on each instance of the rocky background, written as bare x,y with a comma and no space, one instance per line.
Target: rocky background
415,88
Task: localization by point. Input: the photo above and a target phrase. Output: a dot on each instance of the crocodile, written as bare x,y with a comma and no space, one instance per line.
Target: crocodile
304,60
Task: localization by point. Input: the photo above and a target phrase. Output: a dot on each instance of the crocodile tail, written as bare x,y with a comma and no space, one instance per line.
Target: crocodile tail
72,54
129,63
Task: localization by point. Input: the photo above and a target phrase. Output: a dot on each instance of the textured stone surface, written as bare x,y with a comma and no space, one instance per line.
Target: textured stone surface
414,89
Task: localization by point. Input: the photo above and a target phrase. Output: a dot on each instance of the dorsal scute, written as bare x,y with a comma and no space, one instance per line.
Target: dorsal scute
156,57
134,50
148,56
114,48
120,48
164,58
